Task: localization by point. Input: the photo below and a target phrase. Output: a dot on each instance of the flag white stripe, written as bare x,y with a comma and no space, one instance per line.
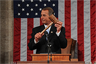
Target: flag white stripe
36,23
61,9
87,44
23,50
74,23
74,20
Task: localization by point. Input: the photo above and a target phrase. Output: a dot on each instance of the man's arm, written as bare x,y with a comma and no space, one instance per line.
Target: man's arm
32,44
61,30
35,39
62,39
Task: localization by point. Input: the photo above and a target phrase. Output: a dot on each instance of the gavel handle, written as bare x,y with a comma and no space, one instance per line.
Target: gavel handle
46,27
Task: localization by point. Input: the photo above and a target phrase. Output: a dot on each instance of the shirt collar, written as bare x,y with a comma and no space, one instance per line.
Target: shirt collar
46,26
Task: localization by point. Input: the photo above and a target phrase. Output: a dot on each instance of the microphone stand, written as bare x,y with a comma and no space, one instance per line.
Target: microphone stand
49,48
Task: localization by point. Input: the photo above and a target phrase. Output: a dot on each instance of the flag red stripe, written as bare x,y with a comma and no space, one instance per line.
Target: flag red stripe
80,29
93,29
41,22
30,25
68,18
17,38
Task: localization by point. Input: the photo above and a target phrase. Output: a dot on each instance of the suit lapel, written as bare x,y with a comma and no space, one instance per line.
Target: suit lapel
41,29
52,31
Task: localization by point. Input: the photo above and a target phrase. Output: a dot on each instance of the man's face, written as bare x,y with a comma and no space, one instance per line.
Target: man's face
45,17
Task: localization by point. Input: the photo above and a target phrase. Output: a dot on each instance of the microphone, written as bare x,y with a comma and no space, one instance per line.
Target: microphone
49,46
46,33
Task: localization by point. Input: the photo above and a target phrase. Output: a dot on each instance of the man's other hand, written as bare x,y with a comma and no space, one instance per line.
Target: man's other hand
38,36
58,25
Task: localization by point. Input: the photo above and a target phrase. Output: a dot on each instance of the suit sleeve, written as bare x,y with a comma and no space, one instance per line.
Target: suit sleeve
62,39
32,44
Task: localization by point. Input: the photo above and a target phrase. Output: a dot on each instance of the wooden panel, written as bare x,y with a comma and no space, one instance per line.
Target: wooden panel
51,62
74,59
39,58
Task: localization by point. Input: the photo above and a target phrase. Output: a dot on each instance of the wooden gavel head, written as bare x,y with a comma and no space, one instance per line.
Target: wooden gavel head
53,19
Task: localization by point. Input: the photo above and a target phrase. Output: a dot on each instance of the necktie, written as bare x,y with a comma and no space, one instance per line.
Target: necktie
47,33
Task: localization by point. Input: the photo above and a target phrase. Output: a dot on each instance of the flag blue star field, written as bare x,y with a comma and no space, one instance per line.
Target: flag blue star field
32,8
77,16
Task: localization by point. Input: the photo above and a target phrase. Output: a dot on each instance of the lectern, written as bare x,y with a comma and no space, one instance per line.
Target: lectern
55,57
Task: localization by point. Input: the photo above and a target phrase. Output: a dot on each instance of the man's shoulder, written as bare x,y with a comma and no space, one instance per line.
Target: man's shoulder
63,27
38,27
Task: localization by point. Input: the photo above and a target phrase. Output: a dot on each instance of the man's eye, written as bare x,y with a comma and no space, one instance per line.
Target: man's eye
44,15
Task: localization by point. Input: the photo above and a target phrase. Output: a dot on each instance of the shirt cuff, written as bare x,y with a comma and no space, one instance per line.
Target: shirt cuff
58,33
35,41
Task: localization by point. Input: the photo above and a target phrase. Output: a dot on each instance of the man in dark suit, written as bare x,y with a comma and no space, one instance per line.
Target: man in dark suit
56,35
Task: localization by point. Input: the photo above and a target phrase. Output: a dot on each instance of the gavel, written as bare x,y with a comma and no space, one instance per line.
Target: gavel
53,19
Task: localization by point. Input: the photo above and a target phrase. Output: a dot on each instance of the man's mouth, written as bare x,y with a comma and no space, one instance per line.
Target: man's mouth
43,20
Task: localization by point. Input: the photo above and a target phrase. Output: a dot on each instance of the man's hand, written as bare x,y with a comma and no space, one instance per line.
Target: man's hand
58,25
38,36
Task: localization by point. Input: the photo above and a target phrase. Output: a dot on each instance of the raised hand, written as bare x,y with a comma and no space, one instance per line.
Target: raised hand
58,25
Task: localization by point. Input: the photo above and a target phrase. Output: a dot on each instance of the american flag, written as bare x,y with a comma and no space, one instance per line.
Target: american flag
78,17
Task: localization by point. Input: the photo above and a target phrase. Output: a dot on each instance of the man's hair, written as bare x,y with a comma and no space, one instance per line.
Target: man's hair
51,11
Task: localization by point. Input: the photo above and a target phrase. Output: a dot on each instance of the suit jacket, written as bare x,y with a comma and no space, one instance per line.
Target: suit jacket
57,42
